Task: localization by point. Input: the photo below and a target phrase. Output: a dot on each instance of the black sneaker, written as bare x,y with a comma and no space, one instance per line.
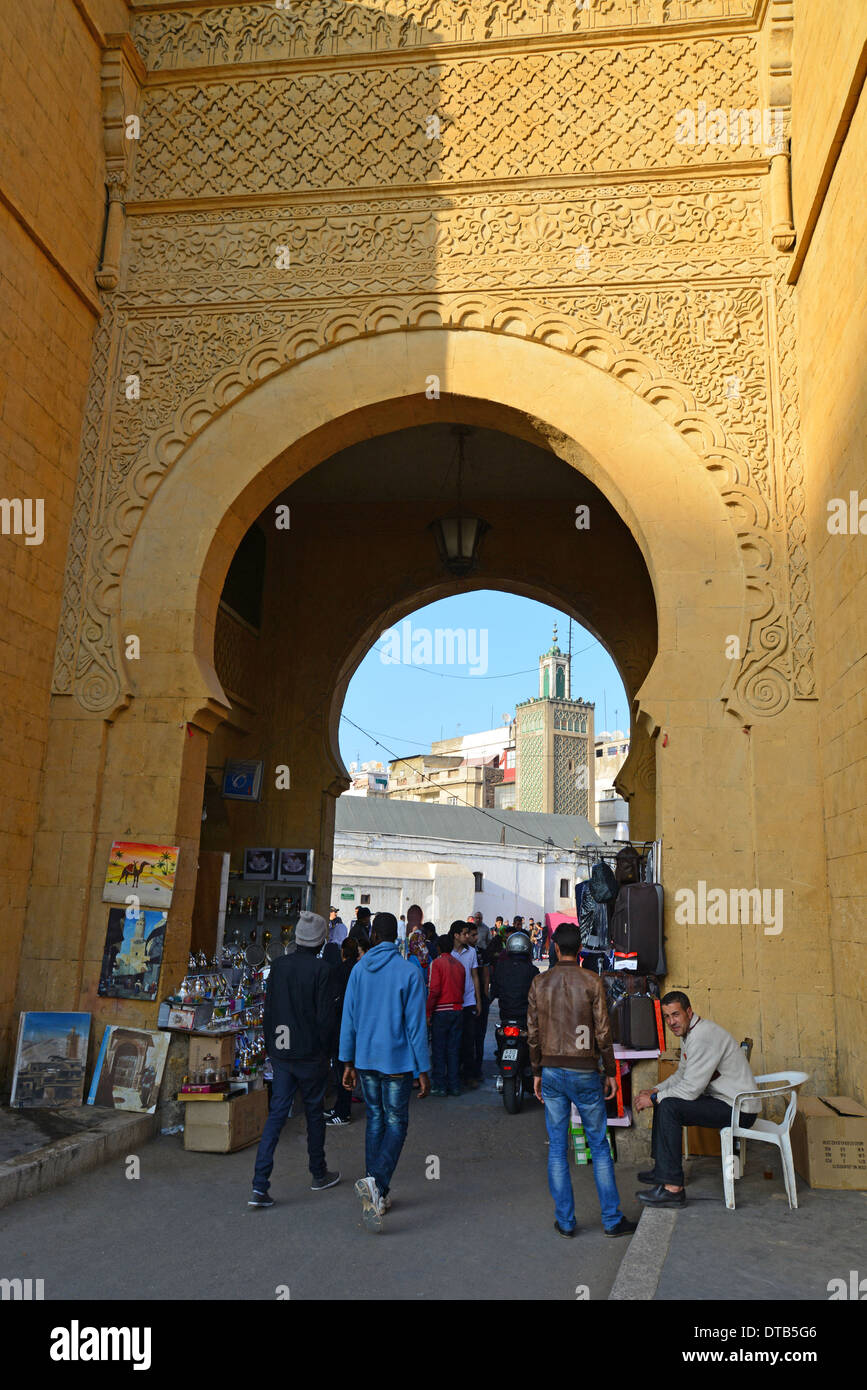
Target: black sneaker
563,1232
260,1199
327,1180
336,1120
623,1228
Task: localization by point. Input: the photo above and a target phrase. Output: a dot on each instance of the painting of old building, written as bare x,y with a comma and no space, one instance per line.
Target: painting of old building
49,1059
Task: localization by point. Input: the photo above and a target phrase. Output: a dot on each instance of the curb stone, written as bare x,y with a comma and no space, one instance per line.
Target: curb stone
640,1270
70,1157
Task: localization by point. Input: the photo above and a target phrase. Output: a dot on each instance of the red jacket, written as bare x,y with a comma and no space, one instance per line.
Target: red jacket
447,983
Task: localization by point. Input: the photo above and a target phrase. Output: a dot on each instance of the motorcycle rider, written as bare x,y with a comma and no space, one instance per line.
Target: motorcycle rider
513,974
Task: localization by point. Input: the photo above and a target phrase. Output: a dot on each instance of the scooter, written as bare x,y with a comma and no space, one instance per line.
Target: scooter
513,1062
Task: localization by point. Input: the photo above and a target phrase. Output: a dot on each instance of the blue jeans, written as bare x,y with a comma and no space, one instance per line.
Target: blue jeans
446,1030
386,1099
311,1079
560,1088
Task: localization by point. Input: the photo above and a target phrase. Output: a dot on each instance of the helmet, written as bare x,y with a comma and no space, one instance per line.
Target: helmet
518,944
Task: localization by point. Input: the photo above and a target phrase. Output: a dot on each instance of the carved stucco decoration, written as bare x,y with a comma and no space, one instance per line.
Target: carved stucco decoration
765,674
542,115
520,239
678,288
244,33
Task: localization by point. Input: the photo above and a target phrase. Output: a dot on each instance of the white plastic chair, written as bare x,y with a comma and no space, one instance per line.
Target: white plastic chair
764,1131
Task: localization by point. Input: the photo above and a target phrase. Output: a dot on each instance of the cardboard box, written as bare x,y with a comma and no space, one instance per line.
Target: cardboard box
700,1141
226,1125
829,1142
209,1053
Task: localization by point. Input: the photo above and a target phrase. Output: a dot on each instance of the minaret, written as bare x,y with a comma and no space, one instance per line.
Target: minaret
554,743
555,677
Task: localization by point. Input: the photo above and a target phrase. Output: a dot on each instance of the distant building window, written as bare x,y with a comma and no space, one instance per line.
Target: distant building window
565,888
599,752
453,801
624,747
365,899
478,878
612,751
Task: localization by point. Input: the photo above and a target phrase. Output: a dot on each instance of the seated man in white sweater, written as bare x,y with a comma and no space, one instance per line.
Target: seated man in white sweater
712,1070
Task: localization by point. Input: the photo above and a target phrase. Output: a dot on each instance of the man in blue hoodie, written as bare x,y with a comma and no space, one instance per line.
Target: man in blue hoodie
383,1036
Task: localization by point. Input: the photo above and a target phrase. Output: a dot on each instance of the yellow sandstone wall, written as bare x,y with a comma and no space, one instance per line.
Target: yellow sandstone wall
829,52
52,196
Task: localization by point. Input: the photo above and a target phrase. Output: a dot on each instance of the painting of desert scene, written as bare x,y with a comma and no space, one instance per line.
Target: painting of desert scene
146,872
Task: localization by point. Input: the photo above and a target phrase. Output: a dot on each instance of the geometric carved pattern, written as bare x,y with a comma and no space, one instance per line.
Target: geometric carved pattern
235,656
569,798
540,115
314,28
531,771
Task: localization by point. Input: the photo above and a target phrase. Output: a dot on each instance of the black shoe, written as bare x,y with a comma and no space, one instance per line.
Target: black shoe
260,1199
327,1180
558,1227
336,1120
649,1175
659,1196
623,1228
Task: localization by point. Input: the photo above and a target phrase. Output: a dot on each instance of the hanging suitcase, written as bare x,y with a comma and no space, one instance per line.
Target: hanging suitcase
620,982
636,925
634,1023
627,865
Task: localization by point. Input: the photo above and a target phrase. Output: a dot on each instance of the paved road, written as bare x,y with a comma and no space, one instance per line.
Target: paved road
183,1230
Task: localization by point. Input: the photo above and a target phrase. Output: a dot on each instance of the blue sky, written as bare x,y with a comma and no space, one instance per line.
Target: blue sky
406,706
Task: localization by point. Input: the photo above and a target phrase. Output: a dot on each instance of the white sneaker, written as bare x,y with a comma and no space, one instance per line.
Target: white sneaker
372,1203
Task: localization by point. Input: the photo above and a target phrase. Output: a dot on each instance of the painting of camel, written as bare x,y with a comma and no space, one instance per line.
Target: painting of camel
145,872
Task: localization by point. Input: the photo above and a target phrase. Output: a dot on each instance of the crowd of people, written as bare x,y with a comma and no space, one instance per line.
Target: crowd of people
383,1011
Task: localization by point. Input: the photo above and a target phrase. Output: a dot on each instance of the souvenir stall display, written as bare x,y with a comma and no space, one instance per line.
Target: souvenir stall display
262,916
619,906
221,999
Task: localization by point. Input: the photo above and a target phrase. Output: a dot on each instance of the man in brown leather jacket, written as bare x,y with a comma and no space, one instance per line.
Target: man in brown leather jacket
569,1033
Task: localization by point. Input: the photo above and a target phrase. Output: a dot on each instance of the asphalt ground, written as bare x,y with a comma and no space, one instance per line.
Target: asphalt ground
182,1230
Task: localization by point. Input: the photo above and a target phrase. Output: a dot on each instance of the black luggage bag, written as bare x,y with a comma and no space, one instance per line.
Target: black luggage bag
636,925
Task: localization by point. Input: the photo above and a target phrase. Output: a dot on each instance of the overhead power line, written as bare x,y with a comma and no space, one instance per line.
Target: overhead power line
481,810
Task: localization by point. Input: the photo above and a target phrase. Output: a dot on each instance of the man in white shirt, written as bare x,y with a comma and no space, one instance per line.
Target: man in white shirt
712,1070
465,954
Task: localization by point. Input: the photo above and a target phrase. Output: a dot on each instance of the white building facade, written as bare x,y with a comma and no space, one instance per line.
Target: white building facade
525,865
